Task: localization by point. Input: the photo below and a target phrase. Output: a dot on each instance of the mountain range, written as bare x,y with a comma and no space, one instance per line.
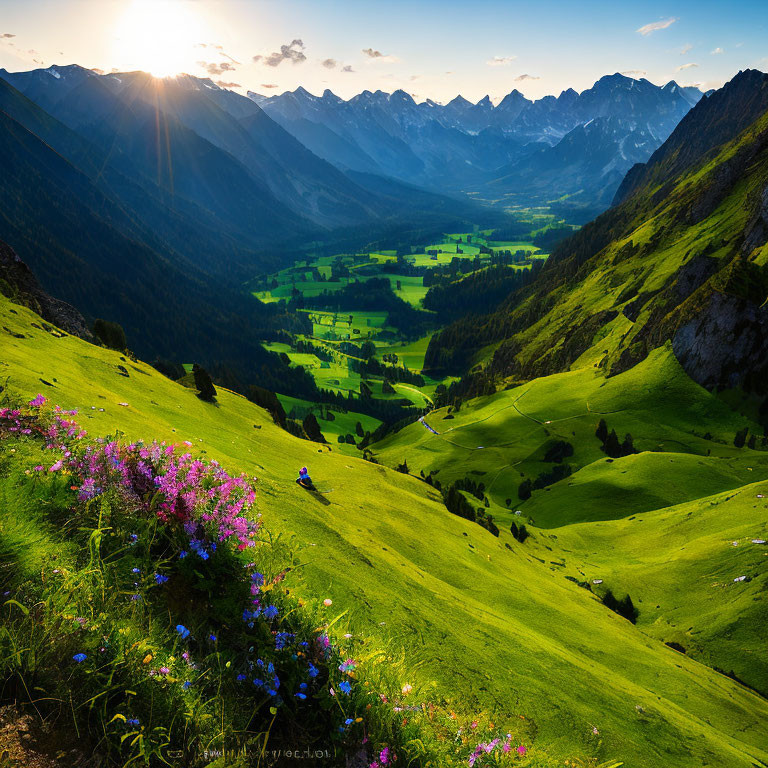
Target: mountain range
521,151
681,260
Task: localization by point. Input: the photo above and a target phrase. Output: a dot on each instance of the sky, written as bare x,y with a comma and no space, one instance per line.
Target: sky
429,48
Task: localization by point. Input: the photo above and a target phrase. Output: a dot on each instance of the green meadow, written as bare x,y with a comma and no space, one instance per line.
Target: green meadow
482,623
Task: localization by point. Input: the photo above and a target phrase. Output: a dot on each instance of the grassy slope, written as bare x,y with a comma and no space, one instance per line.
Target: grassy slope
682,562
502,439
492,627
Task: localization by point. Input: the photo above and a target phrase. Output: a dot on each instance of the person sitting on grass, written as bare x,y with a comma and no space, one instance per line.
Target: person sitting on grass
304,480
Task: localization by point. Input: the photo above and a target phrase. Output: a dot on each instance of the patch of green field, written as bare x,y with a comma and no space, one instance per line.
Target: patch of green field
346,326
486,626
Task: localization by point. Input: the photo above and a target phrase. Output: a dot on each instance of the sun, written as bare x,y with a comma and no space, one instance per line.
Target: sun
158,36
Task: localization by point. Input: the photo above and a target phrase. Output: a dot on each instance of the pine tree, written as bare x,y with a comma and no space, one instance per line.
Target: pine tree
524,491
205,389
612,446
601,433
312,428
627,447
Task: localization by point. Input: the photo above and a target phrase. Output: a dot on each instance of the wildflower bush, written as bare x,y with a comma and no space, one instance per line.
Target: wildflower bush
158,621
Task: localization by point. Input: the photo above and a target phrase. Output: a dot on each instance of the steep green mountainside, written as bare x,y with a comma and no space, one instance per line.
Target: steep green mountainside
485,622
682,260
81,241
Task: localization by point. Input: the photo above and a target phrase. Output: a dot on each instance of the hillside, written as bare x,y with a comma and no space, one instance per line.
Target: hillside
654,510
477,616
683,260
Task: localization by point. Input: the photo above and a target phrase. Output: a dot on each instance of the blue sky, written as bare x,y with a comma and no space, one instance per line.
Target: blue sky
429,48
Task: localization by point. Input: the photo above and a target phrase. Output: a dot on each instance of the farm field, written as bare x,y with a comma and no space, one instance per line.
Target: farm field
335,325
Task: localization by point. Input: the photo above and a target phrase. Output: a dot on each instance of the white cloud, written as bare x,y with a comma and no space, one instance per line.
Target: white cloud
375,55
329,63
216,67
687,47
293,52
633,72
500,61
690,65
655,26
717,51
520,78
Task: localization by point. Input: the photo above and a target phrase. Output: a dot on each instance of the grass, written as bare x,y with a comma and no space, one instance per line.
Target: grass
485,623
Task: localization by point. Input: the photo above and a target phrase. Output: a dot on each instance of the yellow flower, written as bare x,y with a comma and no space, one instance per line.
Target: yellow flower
147,659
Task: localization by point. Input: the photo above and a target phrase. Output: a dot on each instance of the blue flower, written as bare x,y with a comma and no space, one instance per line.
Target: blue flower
161,578
183,631
135,570
186,685
313,670
345,686
257,578
303,687
349,721
258,683
80,657
282,639
134,721
212,638
300,695
182,554
136,598
203,554
240,678
271,612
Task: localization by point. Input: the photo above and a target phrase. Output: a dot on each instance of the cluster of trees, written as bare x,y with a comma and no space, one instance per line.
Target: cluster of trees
470,486
610,442
205,389
519,532
548,477
456,503
375,294
388,411
451,349
269,401
557,451
110,334
319,351
740,439
478,293
624,606
372,367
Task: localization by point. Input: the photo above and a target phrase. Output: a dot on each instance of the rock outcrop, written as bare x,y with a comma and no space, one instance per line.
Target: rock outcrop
19,284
